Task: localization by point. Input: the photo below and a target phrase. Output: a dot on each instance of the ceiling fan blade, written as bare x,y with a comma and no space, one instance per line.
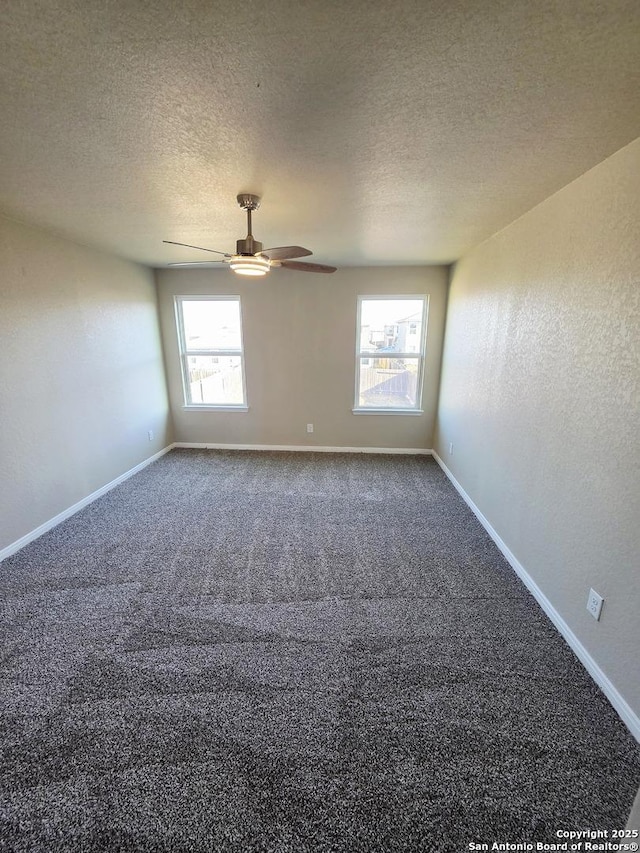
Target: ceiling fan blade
305,267
280,253
201,248
196,263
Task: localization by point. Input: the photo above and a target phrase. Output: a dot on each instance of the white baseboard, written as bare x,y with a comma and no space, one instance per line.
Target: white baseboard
67,513
624,710
304,448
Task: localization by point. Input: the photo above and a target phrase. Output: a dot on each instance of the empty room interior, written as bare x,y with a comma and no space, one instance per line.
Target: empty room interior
319,405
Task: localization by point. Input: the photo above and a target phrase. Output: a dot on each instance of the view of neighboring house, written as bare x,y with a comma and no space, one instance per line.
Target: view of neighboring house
391,380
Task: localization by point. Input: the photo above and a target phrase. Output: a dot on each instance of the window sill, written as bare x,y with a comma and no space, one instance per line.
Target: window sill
372,411
205,408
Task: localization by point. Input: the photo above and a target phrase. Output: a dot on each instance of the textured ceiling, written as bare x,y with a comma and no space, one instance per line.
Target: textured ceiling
376,132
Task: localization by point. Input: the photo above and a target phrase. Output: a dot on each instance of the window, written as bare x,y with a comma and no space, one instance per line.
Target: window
391,337
210,337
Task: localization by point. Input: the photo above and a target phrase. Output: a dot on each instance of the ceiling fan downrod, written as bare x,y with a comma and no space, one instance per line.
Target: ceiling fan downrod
248,246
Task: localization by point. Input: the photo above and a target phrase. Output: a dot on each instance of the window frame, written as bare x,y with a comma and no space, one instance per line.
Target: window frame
185,353
420,356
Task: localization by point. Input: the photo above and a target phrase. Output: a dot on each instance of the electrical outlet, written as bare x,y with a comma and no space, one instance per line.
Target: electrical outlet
309,427
450,448
150,434
594,604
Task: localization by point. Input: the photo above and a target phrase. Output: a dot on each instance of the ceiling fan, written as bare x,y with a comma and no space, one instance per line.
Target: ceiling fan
250,258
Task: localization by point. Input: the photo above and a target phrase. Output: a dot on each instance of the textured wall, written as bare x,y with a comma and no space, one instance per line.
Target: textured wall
299,335
540,396
81,374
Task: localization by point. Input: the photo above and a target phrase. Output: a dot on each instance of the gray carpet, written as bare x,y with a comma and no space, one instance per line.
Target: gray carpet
288,653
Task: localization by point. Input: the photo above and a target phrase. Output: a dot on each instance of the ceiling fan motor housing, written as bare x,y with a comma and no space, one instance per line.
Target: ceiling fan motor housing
248,246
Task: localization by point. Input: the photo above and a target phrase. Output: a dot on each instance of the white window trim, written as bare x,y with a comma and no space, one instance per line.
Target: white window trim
185,354
370,410
420,356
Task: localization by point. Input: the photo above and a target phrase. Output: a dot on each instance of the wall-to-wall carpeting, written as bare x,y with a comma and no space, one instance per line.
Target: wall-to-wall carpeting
290,652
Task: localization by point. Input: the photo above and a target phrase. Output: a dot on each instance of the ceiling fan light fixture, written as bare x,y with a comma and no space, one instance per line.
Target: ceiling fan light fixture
249,265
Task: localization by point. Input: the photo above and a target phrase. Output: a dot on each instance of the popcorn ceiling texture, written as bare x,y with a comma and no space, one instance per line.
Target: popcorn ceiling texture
378,133
290,653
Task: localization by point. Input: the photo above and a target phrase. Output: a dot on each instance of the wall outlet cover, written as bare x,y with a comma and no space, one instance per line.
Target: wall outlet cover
594,604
